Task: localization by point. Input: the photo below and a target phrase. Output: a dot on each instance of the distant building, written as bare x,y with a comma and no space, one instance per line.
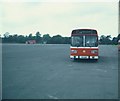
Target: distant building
31,42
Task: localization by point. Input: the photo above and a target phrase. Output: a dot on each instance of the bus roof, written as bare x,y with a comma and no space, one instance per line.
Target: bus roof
84,32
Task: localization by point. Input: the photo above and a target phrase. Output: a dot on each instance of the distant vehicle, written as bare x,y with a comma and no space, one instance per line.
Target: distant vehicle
84,44
118,45
31,42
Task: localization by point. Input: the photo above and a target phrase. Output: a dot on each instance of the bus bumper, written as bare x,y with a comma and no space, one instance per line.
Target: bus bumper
84,57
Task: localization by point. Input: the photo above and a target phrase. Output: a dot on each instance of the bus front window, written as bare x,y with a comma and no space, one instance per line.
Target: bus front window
91,41
84,41
77,41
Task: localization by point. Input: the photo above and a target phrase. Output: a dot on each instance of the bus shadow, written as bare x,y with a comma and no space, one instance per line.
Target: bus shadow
101,59
85,61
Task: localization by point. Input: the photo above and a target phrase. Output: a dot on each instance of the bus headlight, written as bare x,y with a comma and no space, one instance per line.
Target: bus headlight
73,51
94,51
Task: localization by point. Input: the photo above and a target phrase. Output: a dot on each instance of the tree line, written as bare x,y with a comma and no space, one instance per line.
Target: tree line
47,39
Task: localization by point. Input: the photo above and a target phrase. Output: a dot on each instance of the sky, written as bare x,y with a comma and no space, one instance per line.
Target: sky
55,17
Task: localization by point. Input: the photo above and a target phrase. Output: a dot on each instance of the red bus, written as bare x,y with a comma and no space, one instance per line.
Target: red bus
84,44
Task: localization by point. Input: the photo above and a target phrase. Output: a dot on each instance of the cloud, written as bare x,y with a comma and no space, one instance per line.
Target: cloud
58,17
60,0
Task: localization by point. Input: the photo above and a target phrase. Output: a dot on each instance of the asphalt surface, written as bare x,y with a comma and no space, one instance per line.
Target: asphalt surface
47,72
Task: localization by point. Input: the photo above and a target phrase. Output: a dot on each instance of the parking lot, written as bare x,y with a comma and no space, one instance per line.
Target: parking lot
47,72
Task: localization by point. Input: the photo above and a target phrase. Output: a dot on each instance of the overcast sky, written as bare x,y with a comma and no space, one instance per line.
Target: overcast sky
51,17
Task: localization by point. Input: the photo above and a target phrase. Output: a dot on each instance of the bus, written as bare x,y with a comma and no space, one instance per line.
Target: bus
84,44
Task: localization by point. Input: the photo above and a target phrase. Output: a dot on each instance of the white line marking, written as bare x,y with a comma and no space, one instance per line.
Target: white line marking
101,70
52,97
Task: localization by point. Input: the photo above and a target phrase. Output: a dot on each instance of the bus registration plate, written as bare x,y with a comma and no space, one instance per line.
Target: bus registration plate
84,57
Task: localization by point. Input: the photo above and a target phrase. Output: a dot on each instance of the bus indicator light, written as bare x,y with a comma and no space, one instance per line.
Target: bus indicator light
94,51
73,51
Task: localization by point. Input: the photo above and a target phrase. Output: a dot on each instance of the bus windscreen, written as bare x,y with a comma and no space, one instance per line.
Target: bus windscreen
84,41
91,41
77,41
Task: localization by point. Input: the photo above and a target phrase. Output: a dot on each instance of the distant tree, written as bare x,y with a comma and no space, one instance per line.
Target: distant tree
30,37
115,40
105,39
102,39
21,39
0,39
6,34
15,38
10,39
66,40
118,36
38,34
108,37
57,39
46,38
38,37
